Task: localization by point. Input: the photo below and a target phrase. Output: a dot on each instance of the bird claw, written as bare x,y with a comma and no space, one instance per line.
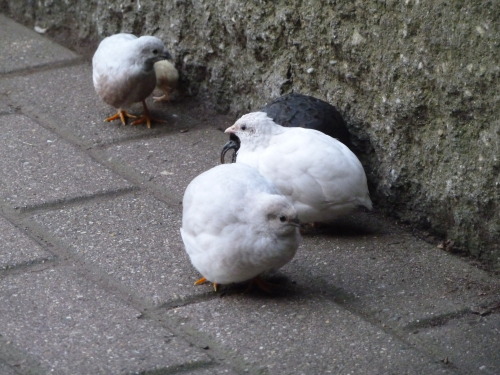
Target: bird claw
143,120
122,115
204,281
147,120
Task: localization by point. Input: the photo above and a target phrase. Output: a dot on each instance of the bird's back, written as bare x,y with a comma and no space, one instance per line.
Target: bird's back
317,172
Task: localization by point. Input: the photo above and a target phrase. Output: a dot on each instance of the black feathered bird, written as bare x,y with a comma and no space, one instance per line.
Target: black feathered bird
297,110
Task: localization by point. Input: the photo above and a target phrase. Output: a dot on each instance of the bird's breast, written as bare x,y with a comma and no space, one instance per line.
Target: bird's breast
121,88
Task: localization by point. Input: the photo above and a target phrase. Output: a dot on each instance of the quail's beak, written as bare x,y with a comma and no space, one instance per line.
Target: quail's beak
165,55
232,144
295,222
231,129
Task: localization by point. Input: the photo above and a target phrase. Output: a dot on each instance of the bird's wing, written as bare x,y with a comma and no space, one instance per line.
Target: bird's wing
311,167
190,244
221,193
108,58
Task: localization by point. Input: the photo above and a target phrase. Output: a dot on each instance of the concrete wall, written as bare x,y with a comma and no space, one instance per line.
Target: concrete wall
416,81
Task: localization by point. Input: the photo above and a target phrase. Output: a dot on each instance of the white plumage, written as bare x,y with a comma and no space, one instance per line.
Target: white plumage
123,73
236,225
320,175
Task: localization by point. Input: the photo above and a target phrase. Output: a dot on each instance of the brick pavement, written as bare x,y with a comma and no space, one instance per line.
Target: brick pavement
94,278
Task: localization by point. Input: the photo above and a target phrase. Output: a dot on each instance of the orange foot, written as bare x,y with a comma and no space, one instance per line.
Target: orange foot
146,117
122,115
203,281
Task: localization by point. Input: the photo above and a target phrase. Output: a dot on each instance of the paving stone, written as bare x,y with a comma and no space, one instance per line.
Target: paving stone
23,48
378,269
14,360
172,161
133,239
6,369
17,248
38,167
5,107
471,343
73,327
65,98
302,334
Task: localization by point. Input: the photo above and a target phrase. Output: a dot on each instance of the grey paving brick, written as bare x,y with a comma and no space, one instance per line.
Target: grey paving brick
380,270
172,161
23,48
73,327
65,99
38,167
14,360
17,248
471,343
5,107
5,369
134,239
302,334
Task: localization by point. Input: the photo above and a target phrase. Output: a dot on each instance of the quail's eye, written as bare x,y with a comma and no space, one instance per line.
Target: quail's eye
243,127
155,51
282,219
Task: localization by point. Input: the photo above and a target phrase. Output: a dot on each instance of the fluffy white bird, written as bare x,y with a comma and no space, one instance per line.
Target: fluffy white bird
123,72
319,174
167,78
236,225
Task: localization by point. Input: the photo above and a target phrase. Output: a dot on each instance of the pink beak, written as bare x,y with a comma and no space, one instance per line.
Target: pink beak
231,129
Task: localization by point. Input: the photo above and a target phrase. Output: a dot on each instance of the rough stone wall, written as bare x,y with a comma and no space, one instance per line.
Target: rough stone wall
417,82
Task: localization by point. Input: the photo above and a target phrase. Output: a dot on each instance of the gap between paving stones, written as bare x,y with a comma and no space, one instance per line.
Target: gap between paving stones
182,369
44,67
59,203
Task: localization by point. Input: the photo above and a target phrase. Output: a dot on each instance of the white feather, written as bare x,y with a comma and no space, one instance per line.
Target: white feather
319,174
231,225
